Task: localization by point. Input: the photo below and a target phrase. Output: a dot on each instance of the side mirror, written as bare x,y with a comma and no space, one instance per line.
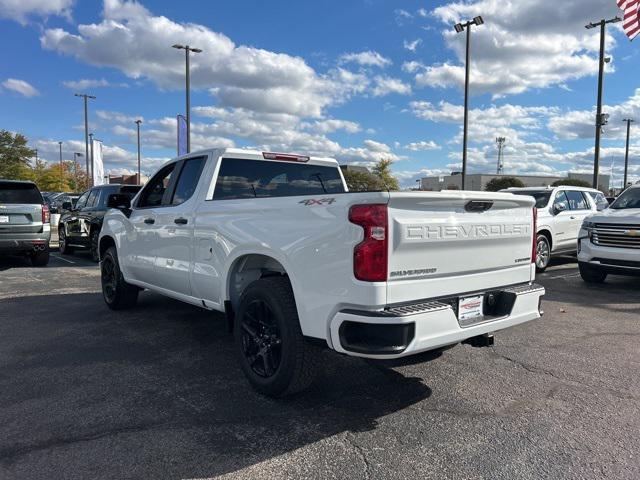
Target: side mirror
119,201
67,206
559,208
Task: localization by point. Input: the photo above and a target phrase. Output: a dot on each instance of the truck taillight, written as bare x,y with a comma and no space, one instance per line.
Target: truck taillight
534,242
370,255
46,216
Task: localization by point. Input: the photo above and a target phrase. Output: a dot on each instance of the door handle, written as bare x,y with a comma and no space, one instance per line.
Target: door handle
572,218
181,221
149,221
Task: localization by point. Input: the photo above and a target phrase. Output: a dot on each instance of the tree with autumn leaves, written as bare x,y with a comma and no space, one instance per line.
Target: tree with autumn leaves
16,164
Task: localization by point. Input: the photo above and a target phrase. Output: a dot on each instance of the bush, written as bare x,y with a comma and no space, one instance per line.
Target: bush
570,182
500,183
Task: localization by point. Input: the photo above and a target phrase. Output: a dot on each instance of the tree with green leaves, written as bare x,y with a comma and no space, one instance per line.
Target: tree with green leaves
383,171
570,182
500,183
15,156
362,181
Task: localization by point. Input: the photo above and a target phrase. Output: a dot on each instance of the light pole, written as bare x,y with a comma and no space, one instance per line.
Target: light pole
460,27
500,141
86,127
61,167
419,182
626,151
138,122
75,166
600,121
187,49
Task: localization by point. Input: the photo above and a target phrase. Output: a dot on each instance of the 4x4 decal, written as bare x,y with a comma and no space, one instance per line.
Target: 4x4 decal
317,201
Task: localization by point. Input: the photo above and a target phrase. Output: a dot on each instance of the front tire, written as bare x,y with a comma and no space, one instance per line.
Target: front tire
273,353
591,274
65,249
117,294
543,253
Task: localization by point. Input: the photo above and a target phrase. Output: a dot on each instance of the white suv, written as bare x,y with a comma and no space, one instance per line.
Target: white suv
561,211
610,240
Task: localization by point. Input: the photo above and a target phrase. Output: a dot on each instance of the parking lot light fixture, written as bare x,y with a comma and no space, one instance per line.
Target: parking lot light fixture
187,50
138,122
629,121
459,28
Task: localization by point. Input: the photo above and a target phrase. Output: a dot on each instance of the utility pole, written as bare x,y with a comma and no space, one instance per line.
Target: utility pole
86,128
500,141
36,155
460,27
626,152
187,49
138,122
600,119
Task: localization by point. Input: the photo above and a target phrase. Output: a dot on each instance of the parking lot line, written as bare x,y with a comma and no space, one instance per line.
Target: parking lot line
63,259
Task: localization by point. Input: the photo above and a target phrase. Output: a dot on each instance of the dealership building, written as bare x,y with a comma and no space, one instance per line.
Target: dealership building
478,181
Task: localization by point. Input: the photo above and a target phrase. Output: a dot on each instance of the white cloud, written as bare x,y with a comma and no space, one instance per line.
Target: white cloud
384,85
332,125
368,58
423,13
402,16
550,45
21,10
132,39
423,145
413,45
20,86
87,83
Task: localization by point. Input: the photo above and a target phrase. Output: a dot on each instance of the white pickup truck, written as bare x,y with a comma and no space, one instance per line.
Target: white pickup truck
298,263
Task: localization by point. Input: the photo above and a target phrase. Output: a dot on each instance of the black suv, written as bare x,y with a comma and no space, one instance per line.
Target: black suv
80,225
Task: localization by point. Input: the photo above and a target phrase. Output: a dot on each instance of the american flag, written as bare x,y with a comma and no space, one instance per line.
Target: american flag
631,20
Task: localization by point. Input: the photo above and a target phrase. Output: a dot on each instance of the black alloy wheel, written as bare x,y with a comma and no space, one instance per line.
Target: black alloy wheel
261,341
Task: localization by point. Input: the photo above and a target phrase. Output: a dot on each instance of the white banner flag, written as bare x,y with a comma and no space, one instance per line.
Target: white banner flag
98,165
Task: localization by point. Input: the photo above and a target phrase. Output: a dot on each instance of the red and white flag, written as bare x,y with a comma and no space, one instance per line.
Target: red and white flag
631,20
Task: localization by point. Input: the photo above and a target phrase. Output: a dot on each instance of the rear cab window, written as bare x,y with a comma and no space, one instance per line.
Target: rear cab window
244,178
12,193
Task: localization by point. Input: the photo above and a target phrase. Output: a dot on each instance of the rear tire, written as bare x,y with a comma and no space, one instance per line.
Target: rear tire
62,242
592,274
543,253
40,258
273,353
117,294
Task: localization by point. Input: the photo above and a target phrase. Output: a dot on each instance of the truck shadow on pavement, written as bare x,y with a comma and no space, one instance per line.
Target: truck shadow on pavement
156,392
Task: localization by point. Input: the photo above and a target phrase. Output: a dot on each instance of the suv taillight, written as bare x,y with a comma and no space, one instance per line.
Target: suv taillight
370,255
534,252
46,216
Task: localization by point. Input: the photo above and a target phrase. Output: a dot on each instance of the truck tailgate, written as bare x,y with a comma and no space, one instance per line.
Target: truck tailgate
447,243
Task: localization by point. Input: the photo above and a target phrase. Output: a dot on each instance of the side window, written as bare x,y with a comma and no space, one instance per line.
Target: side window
561,199
93,196
82,201
188,180
154,191
600,199
577,200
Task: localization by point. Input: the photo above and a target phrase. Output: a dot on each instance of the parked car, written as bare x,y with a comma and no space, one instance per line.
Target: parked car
80,225
560,214
64,199
24,222
297,262
610,240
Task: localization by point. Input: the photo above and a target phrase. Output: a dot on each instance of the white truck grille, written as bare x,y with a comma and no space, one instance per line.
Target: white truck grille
616,235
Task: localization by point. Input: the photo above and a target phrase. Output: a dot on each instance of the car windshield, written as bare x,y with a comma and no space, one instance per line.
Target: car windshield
628,199
542,197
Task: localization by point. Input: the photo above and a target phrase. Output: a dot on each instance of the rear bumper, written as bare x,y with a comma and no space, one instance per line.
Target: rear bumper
400,331
24,242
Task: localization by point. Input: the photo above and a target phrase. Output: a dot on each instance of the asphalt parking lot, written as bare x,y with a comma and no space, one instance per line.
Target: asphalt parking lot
156,393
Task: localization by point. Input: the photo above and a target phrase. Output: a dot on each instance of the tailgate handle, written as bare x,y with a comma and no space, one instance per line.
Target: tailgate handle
478,206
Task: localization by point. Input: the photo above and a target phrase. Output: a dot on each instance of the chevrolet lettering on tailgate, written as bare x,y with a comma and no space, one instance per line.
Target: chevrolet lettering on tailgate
463,232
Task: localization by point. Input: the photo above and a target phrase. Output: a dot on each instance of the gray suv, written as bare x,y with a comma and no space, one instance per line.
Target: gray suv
24,222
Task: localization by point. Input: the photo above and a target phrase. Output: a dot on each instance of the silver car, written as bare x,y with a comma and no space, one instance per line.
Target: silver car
24,222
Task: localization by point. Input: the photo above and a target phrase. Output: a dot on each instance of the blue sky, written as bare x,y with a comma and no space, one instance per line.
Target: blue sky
357,80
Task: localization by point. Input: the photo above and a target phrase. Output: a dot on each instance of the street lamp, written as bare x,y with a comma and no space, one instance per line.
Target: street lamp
599,118
138,122
419,182
626,151
86,126
460,27
187,49
61,168
75,164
